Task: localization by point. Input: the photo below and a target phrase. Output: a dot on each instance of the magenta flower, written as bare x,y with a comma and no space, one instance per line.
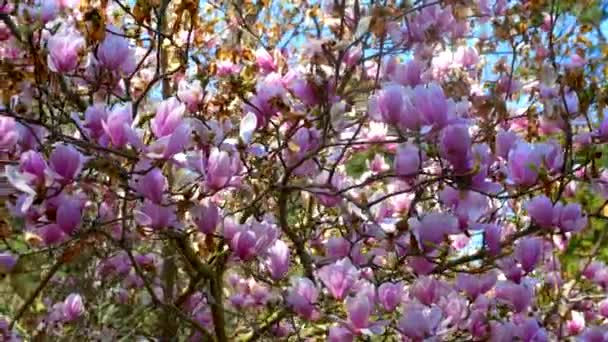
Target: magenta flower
243,244
552,155
530,330
432,105
304,140
433,229
206,216
421,265
152,185
33,163
466,57
337,247
353,56
51,234
170,145
340,334
114,53
473,285
69,214
524,164
468,206
602,132
419,321
191,94
9,135
47,10
359,309
502,332
64,48
66,162
339,277
505,140
221,167
426,289
407,160
570,217
575,325
455,146
73,307
300,87
528,252
594,334
118,125
302,297
168,116
388,104
226,68
492,237
7,262
407,74
603,308
541,211
517,296
269,90
155,216
278,260
94,117
389,295
511,269
265,61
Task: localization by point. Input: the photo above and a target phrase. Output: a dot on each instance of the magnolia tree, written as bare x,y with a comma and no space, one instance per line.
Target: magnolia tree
289,170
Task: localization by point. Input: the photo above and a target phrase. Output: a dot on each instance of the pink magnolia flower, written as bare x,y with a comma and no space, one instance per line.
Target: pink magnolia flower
69,214
114,53
206,216
190,93
118,125
339,277
570,217
517,296
528,252
474,285
243,244
226,68
8,133
407,160
221,167
302,297
66,162
466,57
265,61
541,211
390,294
7,262
64,48
73,307
419,322
155,216
168,117
94,117
407,74
524,164
278,260
152,185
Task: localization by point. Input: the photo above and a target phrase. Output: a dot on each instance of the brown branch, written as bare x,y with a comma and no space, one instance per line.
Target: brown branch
35,294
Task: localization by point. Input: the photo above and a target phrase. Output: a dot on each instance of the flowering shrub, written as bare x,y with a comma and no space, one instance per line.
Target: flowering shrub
293,170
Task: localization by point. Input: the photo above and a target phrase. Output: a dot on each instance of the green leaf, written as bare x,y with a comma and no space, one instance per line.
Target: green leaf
26,275
357,164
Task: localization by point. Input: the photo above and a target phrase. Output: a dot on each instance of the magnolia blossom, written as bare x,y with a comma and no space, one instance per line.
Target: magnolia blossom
64,49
